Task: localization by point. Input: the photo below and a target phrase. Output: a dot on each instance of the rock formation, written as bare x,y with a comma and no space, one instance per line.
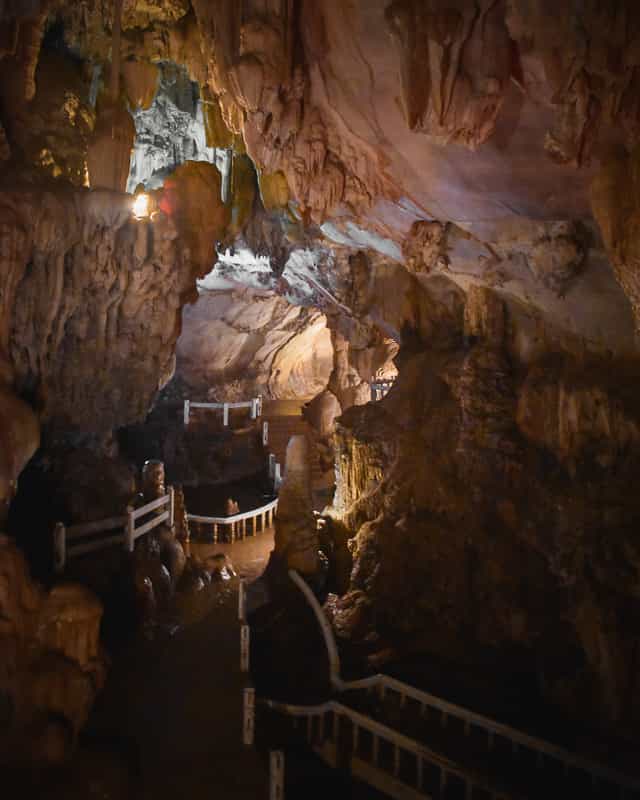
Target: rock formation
238,343
52,665
296,540
450,185
449,562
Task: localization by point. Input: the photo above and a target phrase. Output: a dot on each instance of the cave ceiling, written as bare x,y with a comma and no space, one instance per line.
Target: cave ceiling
486,143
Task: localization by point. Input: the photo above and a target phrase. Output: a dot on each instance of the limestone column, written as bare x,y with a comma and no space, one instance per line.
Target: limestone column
296,538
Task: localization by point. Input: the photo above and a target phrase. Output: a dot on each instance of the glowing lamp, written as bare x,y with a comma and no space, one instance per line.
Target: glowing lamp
142,206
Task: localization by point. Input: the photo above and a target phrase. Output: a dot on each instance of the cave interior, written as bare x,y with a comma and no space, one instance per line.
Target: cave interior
390,244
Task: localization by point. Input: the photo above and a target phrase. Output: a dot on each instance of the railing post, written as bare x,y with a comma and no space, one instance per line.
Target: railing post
272,465
242,601
59,547
276,775
277,478
172,506
265,433
249,715
129,536
245,634
225,415
186,412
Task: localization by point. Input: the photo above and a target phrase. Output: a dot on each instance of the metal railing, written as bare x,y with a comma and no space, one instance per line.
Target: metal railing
237,523
254,405
77,540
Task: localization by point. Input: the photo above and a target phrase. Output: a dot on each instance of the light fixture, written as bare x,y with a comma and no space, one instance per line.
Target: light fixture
142,206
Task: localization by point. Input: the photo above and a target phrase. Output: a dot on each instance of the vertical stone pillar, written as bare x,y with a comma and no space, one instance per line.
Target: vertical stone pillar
296,537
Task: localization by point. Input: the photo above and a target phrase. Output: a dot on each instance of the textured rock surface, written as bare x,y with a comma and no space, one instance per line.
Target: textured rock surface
93,303
461,570
52,666
19,439
458,179
296,537
236,344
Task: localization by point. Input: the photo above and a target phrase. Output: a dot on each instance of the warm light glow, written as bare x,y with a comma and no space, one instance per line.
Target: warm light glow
141,206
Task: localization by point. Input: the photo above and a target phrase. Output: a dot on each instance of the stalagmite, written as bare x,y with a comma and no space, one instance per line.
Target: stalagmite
296,538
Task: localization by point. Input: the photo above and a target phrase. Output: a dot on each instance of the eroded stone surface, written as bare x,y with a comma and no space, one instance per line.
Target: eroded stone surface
52,664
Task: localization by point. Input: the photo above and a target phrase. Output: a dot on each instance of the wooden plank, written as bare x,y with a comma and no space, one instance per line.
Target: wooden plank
149,526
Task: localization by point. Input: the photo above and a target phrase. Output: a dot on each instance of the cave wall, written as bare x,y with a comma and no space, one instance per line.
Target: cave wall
440,150
94,312
492,521
238,343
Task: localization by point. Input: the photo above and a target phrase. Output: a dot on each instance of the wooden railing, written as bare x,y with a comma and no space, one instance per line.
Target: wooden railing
325,732
541,750
254,405
237,523
77,540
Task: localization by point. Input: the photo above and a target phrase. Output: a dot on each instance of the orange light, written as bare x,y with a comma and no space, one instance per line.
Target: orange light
141,206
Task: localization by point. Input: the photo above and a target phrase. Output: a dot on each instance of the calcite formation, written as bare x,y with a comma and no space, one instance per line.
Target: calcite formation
93,300
451,185
52,665
296,538
238,343
449,561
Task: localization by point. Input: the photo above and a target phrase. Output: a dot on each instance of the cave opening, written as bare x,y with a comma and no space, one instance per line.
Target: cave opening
318,398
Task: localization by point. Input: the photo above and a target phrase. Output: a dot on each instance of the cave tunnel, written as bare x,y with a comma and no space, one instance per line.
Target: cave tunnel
319,405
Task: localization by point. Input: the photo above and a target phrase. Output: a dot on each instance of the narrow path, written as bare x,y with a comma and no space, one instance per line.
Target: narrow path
177,701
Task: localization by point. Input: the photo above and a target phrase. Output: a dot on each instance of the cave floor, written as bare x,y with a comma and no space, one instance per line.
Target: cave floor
180,701
168,723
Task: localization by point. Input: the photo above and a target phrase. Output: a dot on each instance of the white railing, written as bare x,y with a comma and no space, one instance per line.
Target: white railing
275,472
384,684
77,540
237,523
254,405
322,730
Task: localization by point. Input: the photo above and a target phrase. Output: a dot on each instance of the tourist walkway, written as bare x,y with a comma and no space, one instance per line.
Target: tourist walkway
168,724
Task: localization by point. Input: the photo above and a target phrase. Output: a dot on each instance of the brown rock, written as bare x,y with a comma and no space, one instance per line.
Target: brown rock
296,537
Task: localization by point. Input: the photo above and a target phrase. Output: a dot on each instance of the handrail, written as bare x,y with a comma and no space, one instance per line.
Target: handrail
68,542
399,741
146,509
491,726
496,728
235,517
325,627
266,512
255,404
